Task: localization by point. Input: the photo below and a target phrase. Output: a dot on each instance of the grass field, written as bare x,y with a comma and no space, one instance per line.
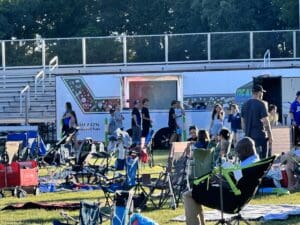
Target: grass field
162,216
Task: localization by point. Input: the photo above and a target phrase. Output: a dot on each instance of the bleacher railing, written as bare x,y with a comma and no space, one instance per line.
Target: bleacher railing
39,78
25,96
151,49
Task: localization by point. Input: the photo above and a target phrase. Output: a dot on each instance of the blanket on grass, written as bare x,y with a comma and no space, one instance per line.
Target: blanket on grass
43,205
254,212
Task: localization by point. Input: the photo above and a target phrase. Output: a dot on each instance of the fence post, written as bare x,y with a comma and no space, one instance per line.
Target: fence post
44,54
251,44
3,55
294,44
166,48
84,52
208,46
124,50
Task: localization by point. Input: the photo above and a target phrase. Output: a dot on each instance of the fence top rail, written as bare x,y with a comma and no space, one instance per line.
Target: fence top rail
151,35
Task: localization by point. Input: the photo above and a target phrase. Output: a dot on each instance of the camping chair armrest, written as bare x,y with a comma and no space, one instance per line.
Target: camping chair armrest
225,174
231,183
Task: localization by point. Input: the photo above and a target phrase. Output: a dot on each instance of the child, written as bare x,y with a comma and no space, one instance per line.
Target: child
203,139
193,134
234,119
217,120
112,125
273,115
222,145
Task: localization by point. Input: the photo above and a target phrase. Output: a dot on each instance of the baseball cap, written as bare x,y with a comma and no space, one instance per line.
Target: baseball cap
258,88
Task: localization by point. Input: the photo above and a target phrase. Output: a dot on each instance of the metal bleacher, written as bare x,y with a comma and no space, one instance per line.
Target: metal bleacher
22,60
42,106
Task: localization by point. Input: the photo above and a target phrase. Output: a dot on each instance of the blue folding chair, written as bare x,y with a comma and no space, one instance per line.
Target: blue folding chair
123,207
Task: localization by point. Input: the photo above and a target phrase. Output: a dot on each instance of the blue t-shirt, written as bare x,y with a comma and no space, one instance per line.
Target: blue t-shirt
295,109
251,159
235,121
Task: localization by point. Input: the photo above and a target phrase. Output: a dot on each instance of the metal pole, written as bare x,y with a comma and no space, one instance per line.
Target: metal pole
84,52
3,54
26,110
124,50
251,44
44,54
208,46
294,44
166,48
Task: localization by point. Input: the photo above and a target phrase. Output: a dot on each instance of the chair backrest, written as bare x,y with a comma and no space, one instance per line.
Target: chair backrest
131,170
18,137
178,150
85,150
123,205
89,213
203,162
12,148
252,177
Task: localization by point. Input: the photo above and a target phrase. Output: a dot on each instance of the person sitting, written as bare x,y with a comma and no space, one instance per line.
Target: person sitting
203,139
291,161
194,199
222,145
193,134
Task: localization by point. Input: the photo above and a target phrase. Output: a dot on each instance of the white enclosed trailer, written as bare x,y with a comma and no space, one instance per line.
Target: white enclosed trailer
93,94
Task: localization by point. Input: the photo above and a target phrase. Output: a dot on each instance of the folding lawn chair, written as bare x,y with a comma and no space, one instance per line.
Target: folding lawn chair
12,149
173,181
236,194
55,156
89,215
22,138
120,182
202,162
123,207
147,146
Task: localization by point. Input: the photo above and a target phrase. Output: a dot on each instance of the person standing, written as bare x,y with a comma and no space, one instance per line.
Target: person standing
136,123
179,112
255,121
172,122
69,126
112,125
295,118
273,115
146,122
234,119
217,120
119,117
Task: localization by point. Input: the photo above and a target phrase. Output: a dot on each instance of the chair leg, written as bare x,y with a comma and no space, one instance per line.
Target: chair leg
238,219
